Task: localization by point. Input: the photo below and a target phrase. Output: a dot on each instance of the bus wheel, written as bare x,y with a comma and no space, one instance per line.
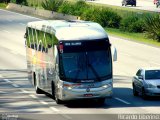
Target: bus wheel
58,101
53,88
38,90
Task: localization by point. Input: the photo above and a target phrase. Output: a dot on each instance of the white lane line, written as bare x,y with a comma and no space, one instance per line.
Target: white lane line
122,101
54,109
66,116
1,92
33,96
9,20
6,80
24,91
15,85
5,31
155,63
22,24
44,103
21,14
14,52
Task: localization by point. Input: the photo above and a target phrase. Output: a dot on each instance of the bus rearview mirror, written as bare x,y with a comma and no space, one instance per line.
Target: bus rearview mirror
114,53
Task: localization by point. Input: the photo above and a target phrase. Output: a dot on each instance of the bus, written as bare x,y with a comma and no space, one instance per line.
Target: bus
70,60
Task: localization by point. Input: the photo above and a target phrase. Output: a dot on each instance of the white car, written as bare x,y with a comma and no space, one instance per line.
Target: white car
146,82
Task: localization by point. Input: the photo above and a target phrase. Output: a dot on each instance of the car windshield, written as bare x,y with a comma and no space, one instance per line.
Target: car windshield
152,74
87,66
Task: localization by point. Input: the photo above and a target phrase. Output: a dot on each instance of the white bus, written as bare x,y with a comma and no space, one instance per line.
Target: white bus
70,60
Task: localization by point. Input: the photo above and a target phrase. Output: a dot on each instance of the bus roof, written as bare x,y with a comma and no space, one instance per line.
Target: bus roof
70,30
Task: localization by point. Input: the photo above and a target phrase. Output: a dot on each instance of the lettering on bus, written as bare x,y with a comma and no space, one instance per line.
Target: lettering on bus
72,44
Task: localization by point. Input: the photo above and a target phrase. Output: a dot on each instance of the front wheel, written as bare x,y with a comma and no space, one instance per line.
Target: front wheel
101,101
135,93
58,101
144,96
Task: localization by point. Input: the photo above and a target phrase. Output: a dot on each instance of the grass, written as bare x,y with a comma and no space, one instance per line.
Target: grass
138,37
3,5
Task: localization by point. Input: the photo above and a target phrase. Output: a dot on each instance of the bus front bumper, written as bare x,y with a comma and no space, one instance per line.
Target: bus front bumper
94,93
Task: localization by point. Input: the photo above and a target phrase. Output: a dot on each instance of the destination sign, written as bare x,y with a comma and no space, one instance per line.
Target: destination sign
72,43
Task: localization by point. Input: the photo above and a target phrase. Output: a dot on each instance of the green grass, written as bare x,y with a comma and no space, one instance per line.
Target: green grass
138,37
3,5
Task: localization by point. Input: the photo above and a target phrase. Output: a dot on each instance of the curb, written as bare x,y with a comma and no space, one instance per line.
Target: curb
40,12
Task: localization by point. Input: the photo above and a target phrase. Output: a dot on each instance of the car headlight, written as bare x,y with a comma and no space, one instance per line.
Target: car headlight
151,86
106,86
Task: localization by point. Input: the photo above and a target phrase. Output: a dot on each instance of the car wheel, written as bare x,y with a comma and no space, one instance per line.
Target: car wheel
101,101
135,93
144,96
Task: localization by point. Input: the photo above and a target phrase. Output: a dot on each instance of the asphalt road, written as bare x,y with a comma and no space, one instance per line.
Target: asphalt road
18,98
141,4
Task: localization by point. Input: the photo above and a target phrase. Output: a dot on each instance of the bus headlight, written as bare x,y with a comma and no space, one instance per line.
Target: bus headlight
71,86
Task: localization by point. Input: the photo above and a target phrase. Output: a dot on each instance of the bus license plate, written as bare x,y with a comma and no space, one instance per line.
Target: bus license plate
88,95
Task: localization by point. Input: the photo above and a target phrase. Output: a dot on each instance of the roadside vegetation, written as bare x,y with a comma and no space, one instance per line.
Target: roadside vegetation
119,21
3,5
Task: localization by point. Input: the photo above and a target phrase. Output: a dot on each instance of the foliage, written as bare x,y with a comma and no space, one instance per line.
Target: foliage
132,23
22,2
52,5
152,26
73,8
103,16
4,1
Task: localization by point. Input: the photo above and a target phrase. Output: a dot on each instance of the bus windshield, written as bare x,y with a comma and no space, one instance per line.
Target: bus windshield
87,66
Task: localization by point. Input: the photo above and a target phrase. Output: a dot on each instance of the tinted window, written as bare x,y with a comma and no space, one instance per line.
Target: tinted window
152,74
92,65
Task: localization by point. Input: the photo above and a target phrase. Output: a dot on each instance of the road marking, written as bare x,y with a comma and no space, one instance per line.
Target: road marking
5,31
155,63
14,52
1,92
10,20
21,14
122,101
6,80
33,96
54,109
15,85
66,116
22,24
45,103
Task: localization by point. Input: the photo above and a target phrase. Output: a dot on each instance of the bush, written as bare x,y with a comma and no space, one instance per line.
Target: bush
4,1
22,2
52,5
73,8
103,16
132,23
152,26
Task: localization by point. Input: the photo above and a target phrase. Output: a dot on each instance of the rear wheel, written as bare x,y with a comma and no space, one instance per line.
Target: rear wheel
38,90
